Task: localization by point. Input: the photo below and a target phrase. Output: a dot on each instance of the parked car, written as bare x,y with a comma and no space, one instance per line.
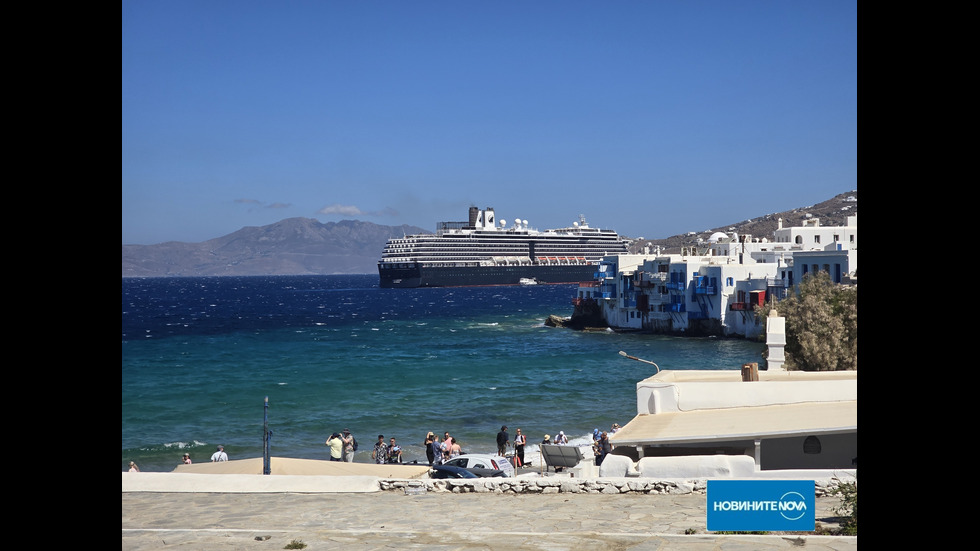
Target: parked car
479,461
486,473
450,471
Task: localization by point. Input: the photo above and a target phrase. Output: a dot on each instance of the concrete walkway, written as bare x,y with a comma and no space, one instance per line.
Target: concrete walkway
214,512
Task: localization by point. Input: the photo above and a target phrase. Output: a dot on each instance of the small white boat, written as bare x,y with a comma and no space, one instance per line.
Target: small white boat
528,281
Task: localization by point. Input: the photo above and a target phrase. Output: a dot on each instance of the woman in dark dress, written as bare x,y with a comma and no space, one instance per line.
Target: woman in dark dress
519,442
429,454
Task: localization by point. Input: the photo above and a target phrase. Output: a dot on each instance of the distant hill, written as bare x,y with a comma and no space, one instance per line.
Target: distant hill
294,246
305,246
832,212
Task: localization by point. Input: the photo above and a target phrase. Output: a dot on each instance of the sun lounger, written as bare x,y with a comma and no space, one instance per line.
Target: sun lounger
557,456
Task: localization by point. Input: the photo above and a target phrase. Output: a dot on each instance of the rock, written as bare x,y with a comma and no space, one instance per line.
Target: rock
555,321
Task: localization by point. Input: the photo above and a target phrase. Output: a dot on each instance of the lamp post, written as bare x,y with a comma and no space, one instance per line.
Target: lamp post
625,355
266,436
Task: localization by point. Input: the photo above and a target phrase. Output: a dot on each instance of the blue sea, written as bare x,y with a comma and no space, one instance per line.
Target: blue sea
200,356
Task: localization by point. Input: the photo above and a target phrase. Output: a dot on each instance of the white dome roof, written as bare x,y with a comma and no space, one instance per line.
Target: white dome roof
716,237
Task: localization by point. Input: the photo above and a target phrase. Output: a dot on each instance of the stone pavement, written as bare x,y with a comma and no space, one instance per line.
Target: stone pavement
153,520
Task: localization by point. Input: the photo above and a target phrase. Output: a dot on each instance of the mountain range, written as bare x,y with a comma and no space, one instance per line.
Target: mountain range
306,246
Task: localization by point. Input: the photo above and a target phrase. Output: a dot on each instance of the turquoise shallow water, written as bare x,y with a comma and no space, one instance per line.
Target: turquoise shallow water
200,355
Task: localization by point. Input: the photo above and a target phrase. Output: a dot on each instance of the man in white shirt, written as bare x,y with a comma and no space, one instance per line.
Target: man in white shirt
219,455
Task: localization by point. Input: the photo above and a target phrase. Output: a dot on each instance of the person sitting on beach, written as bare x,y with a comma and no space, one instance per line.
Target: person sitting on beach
380,452
187,459
219,455
561,439
336,444
394,452
547,439
133,468
615,427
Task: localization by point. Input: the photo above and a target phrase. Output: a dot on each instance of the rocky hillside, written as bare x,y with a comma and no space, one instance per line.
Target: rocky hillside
832,212
305,246
294,246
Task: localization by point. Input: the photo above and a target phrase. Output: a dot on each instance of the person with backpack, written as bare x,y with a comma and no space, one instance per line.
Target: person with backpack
350,446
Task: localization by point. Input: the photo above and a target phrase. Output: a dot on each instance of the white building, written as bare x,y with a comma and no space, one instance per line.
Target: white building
784,420
713,289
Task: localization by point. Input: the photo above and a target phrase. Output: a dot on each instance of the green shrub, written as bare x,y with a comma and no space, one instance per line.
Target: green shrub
848,508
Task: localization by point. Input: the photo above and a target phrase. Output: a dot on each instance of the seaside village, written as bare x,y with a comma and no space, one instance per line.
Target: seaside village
697,424
754,423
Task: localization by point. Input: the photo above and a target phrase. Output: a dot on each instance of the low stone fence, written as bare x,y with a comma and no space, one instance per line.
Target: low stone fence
563,485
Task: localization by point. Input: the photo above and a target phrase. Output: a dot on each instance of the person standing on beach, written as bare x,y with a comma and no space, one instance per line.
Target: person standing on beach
349,446
454,449
336,444
394,452
503,440
436,449
187,459
133,468
603,449
561,439
445,447
380,452
519,442
429,453
219,455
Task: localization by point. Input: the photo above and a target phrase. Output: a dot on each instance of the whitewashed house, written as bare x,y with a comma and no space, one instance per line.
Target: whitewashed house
714,289
785,420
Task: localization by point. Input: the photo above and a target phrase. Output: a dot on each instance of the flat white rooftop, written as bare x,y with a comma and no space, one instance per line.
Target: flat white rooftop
738,423
697,407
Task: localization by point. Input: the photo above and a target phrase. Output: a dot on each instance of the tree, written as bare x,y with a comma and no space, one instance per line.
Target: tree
821,324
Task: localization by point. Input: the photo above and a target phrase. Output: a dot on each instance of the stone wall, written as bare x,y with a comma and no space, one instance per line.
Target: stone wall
563,485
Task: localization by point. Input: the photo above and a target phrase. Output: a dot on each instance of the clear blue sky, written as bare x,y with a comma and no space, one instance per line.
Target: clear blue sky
652,118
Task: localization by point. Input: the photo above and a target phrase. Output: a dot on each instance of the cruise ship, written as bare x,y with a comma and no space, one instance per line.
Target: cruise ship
483,251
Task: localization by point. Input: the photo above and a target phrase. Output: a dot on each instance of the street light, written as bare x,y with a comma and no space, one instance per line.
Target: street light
625,355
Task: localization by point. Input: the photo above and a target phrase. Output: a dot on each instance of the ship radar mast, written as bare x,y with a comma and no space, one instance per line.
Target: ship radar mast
581,222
